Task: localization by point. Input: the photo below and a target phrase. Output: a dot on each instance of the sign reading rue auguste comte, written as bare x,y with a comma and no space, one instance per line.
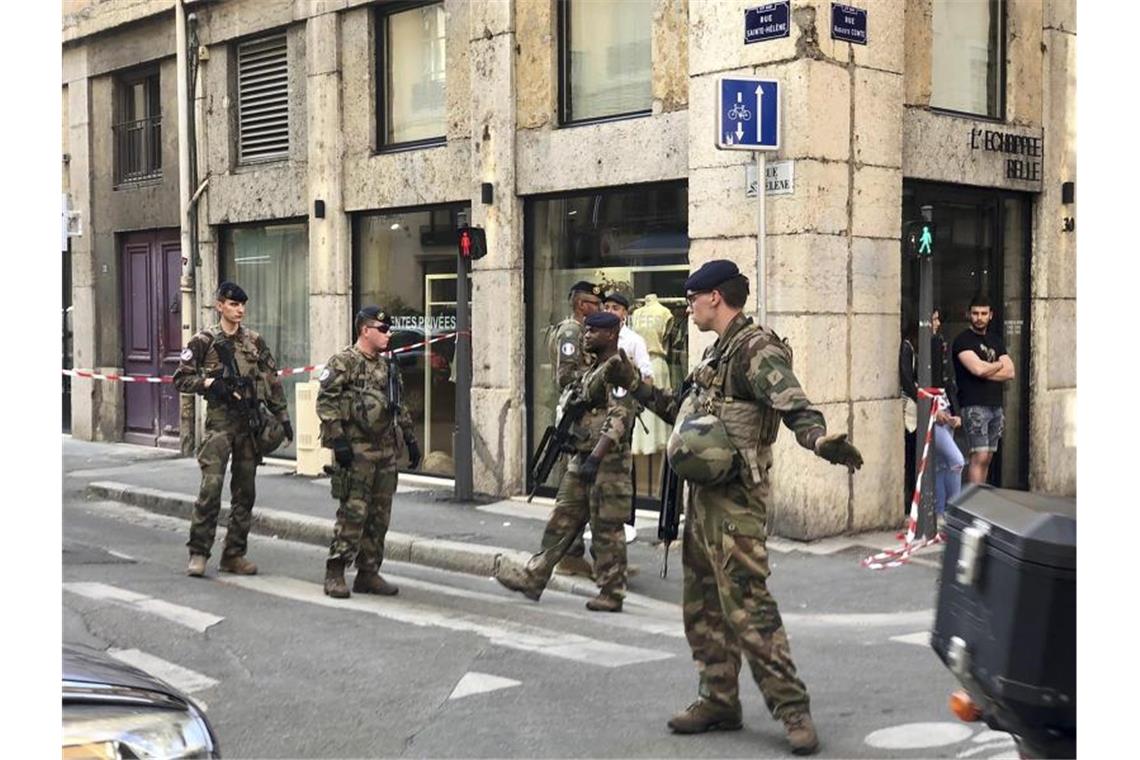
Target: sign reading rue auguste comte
848,24
767,22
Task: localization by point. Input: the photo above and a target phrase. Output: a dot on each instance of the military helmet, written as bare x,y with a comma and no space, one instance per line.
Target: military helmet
700,451
272,432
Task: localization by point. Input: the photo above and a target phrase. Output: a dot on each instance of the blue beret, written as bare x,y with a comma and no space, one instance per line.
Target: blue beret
584,287
604,320
229,291
617,298
372,312
711,274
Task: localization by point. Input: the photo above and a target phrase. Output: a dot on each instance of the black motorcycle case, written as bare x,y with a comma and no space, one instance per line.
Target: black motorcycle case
1006,621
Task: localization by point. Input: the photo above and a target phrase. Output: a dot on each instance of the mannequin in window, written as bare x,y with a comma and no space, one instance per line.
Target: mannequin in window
653,321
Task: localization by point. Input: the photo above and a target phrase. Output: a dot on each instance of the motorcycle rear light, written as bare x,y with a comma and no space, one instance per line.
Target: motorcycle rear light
964,707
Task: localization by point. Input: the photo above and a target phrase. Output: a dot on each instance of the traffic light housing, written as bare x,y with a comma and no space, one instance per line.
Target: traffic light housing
919,239
472,242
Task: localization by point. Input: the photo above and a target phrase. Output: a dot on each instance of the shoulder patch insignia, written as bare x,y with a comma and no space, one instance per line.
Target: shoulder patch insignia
619,392
186,355
568,348
324,374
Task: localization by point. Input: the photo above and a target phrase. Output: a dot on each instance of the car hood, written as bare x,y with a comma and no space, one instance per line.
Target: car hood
82,665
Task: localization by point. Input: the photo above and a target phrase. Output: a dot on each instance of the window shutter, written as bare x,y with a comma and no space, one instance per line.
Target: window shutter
263,99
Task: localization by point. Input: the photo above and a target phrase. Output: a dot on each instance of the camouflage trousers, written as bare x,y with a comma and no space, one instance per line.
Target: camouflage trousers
604,506
727,607
219,447
365,494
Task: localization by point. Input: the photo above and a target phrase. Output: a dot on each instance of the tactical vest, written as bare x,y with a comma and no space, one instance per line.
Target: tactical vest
245,357
752,425
365,405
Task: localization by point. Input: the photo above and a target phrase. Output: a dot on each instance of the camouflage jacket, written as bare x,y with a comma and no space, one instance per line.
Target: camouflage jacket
613,414
567,353
748,363
356,402
200,360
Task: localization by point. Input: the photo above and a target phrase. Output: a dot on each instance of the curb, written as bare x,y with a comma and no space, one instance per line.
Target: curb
456,556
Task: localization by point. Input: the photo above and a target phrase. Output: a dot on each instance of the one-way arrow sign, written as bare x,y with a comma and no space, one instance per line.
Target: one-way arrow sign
748,114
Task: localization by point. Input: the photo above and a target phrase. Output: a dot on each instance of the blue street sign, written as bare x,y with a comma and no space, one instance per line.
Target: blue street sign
848,24
748,114
767,22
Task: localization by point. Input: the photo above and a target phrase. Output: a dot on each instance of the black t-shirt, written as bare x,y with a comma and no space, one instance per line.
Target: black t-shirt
973,390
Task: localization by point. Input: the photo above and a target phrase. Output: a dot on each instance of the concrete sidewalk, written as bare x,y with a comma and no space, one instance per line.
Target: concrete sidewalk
428,527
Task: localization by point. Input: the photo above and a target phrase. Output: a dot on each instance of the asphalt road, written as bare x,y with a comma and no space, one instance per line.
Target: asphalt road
455,666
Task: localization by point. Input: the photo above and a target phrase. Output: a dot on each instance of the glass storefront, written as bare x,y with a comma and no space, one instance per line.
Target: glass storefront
982,245
271,263
405,262
633,239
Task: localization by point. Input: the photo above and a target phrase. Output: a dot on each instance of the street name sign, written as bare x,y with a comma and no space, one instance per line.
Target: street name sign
767,22
779,178
848,24
748,114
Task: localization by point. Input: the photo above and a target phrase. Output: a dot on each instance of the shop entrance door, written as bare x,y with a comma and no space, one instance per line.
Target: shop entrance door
152,334
982,245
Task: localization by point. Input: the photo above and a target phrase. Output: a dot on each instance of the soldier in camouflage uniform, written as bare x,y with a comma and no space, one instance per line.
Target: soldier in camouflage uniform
363,422
721,444
227,435
570,359
596,488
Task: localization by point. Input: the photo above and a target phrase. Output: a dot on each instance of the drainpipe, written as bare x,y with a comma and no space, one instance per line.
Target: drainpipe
187,218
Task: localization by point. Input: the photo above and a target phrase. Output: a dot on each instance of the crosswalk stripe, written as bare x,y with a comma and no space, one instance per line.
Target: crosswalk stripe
186,616
922,638
480,683
520,636
177,676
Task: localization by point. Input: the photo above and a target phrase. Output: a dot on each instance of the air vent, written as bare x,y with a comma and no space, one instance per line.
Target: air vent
263,99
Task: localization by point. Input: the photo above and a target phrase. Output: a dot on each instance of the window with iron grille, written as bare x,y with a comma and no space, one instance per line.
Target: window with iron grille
263,99
138,128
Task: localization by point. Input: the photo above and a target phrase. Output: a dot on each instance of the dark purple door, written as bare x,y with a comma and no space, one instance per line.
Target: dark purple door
152,335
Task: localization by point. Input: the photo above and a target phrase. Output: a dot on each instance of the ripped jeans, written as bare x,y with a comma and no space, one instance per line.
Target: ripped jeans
948,464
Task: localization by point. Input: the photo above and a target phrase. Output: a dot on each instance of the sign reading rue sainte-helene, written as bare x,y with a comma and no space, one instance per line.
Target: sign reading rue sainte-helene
779,178
767,22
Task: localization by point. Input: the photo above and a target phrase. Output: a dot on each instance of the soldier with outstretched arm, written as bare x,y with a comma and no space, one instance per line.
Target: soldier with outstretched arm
721,444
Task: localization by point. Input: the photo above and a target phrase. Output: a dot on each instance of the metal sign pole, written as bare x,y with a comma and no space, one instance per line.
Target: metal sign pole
926,522
464,481
761,257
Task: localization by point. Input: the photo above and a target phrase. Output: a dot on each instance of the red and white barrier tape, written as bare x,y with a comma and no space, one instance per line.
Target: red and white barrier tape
86,373
899,556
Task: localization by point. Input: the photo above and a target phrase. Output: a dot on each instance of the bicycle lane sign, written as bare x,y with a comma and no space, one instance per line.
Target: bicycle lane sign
748,114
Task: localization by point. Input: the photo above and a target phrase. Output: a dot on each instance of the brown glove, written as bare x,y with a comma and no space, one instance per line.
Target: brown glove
837,449
619,371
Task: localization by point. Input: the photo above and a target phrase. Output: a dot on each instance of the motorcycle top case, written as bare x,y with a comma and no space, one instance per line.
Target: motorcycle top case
1006,622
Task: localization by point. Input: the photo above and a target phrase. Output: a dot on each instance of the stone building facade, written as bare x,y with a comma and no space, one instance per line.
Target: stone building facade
348,211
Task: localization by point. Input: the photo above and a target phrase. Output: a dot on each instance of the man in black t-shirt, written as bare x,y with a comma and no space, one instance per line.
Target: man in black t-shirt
981,365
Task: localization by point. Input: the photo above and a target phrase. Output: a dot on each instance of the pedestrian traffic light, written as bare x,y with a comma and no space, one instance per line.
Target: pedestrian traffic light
919,239
472,242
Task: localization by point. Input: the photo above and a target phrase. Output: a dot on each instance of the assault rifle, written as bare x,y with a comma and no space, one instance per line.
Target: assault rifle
557,438
669,518
234,384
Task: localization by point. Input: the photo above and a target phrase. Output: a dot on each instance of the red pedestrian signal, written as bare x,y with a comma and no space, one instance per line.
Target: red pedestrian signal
472,242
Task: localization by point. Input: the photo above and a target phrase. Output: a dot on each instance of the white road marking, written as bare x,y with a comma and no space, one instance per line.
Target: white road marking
527,638
993,736
992,746
922,638
186,616
861,619
918,735
120,555
177,676
480,683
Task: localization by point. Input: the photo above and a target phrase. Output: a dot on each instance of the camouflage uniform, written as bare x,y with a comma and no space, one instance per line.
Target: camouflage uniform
354,405
745,379
603,504
227,434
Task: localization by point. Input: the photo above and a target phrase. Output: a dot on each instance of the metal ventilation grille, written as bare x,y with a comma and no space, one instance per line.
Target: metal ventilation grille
263,99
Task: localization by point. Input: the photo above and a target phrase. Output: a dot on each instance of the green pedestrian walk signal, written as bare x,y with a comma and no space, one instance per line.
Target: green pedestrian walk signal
919,239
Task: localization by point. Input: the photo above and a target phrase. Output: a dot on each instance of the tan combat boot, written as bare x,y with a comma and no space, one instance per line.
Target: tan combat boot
517,579
801,732
703,716
334,579
574,566
604,602
197,566
370,582
238,565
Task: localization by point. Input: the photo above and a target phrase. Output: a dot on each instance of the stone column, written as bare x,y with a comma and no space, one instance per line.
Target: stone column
498,324
832,246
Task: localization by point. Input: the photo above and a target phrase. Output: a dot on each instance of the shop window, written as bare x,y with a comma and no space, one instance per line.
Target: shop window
605,59
634,240
411,56
263,99
271,263
968,60
406,264
138,128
